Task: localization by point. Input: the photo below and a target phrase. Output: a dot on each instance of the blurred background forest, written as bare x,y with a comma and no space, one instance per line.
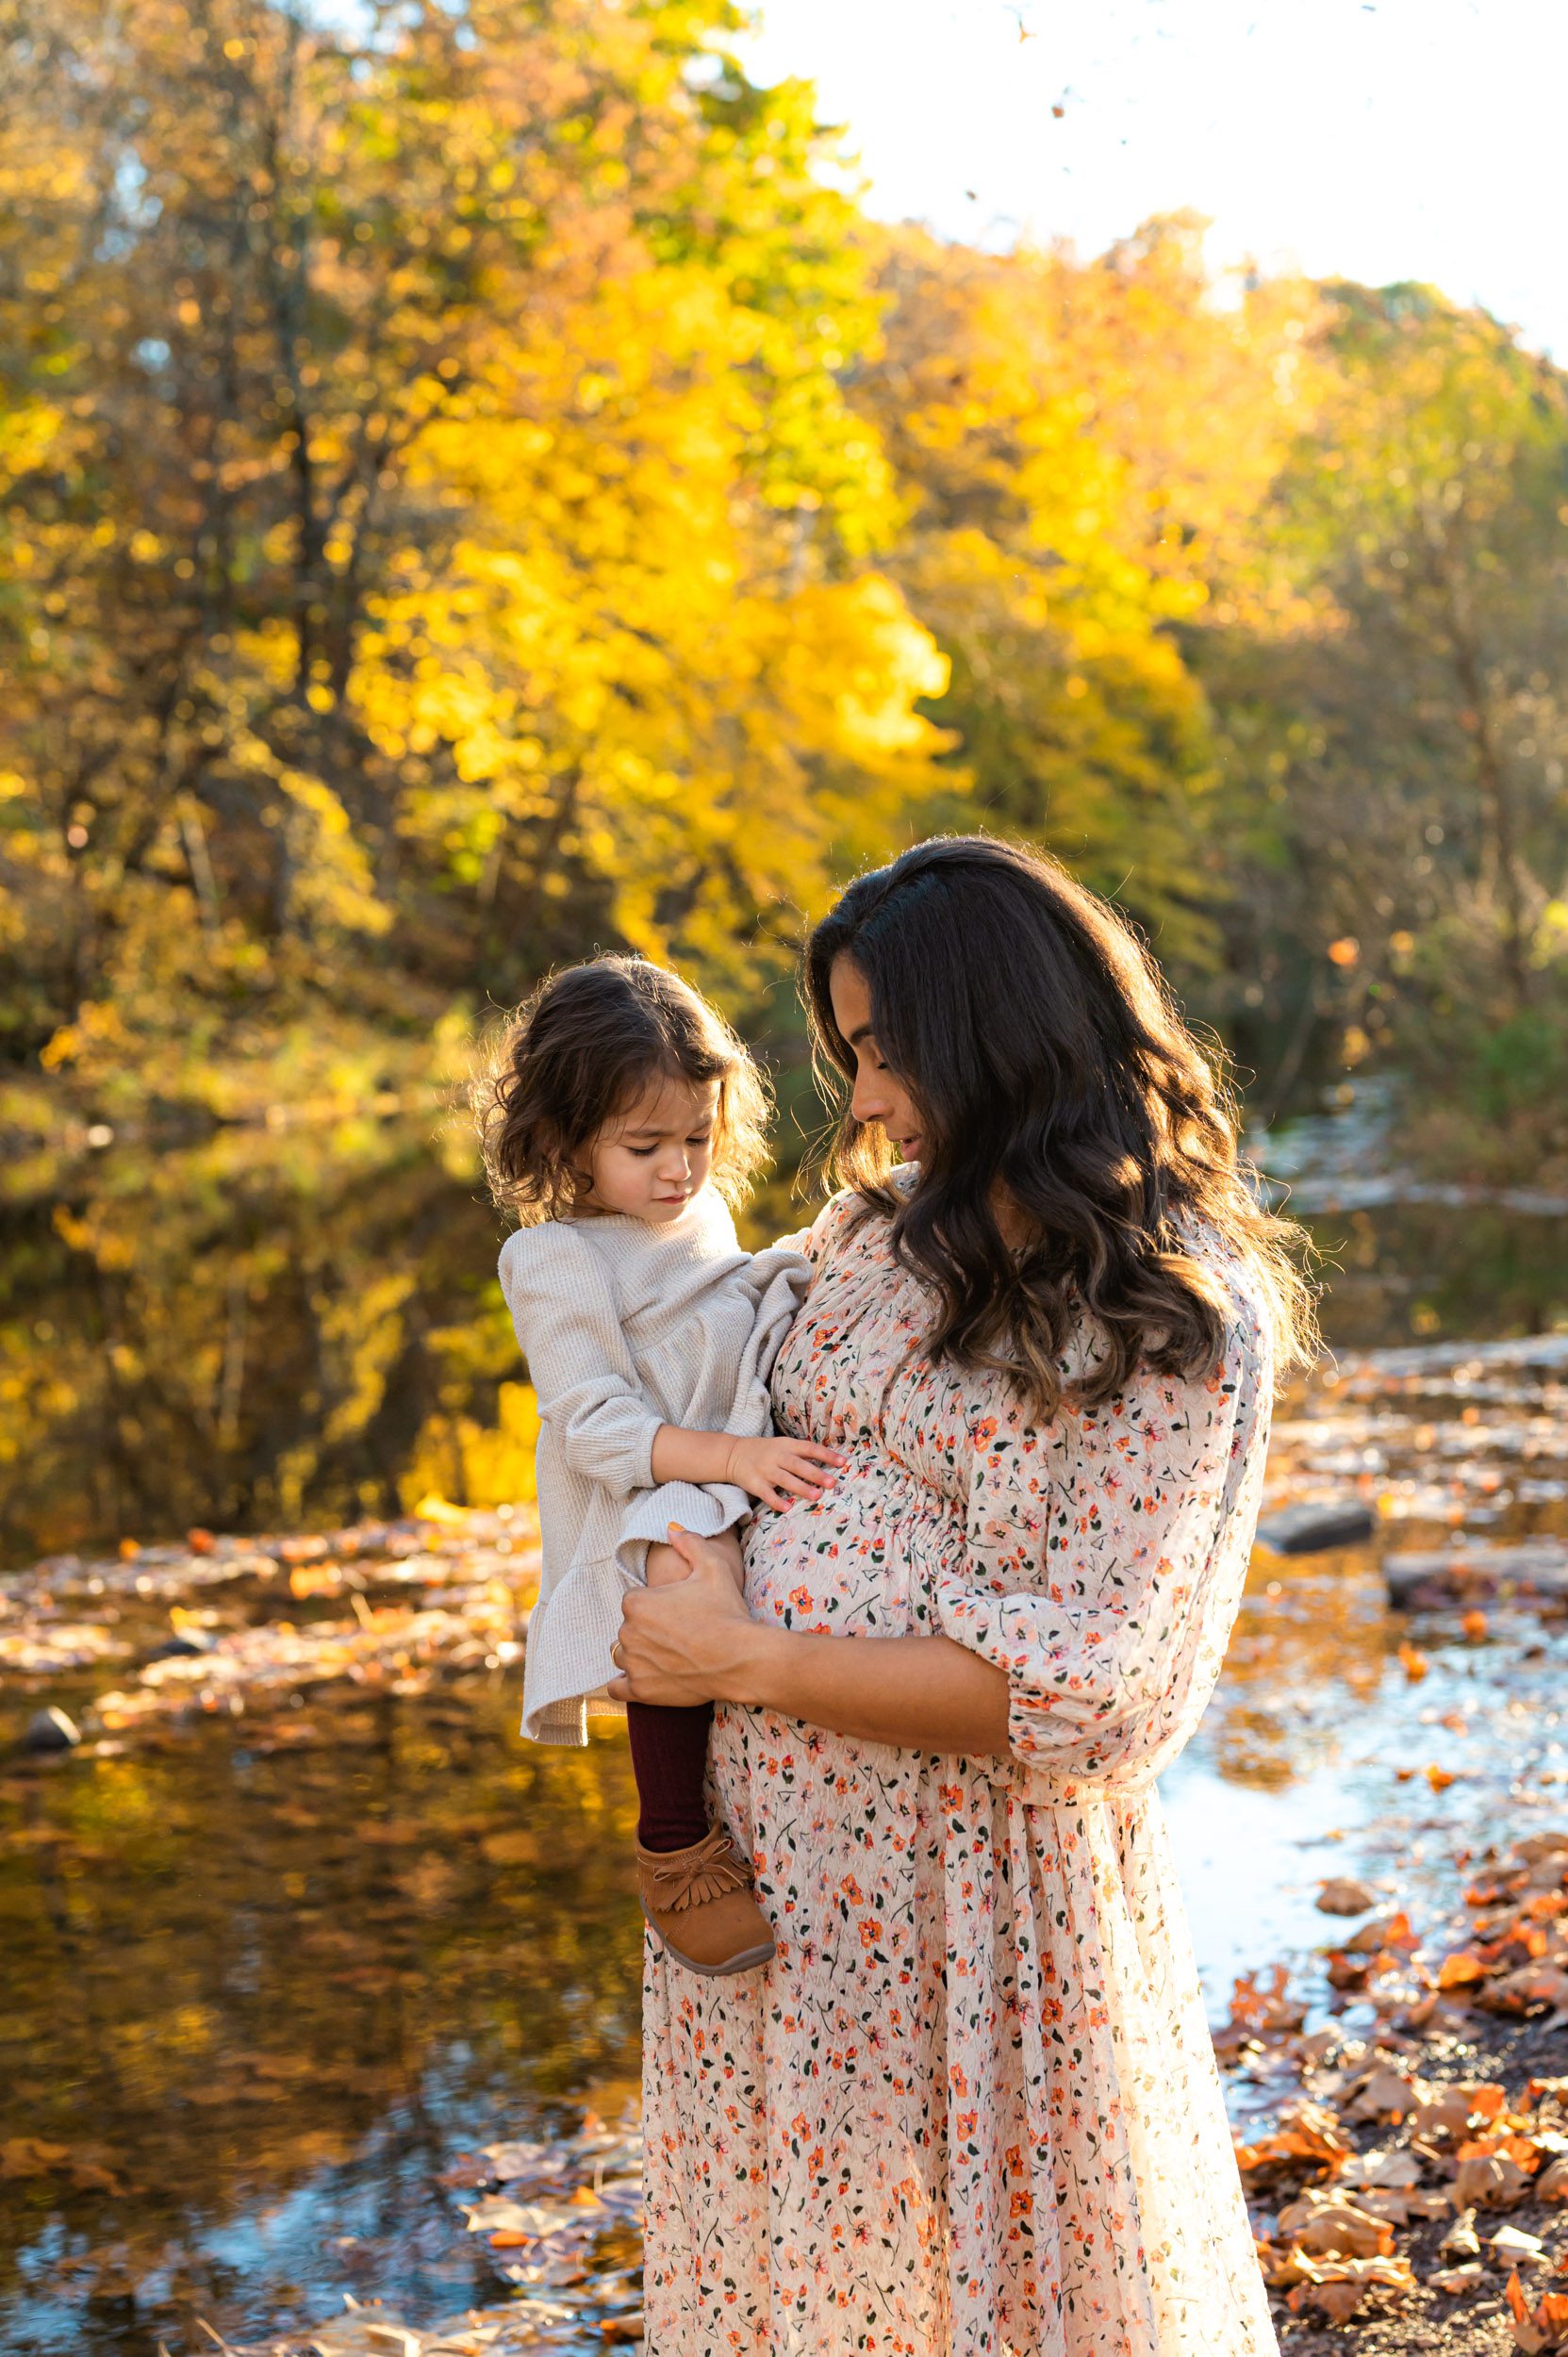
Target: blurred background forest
476,487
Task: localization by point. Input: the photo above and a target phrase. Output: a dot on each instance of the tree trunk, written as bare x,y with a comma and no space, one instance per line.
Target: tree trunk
1498,811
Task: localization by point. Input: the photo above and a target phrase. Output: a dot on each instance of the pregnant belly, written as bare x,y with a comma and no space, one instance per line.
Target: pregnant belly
863,1559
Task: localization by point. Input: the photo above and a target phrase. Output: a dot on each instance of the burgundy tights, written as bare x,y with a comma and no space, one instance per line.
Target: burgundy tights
670,1760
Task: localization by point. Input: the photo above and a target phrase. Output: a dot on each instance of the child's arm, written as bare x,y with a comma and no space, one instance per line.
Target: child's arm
775,1469
568,1325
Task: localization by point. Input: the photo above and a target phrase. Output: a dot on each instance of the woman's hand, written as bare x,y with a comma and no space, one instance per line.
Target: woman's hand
690,1642
666,1565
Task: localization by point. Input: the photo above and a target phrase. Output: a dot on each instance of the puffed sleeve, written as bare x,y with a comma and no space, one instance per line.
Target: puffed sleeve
1106,1555
564,1308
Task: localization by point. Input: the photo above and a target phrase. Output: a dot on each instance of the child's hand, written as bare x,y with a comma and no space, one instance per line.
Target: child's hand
779,1469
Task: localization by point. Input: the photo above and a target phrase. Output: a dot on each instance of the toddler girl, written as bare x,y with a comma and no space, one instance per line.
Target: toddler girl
624,1120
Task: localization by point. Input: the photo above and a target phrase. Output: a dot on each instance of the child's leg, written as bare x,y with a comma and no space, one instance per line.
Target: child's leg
695,1885
669,1748
670,1760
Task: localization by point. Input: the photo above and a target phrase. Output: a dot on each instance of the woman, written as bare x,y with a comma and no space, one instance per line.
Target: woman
972,2110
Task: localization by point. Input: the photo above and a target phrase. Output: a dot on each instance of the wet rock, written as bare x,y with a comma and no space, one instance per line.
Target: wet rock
51,1731
1315,1524
1458,1574
185,1641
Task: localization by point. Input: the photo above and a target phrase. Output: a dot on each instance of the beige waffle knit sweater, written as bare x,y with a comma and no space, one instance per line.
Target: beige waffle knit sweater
626,1327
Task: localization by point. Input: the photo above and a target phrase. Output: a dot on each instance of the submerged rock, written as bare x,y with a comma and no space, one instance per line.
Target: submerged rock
1526,1567
188,1641
1315,1525
51,1731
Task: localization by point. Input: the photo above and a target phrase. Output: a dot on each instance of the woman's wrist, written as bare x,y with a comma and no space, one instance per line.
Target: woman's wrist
748,1676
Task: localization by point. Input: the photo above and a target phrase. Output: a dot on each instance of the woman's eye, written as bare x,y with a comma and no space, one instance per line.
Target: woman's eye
642,1152
705,1137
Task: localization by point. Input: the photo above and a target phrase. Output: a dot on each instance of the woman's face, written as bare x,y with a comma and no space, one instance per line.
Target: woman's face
880,1094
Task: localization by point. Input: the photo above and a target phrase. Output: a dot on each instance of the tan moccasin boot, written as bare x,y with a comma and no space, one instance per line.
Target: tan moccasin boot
699,1902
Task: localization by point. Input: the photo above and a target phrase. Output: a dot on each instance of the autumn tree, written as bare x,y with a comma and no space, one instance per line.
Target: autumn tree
1428,500
437,533
1408,731
1084,449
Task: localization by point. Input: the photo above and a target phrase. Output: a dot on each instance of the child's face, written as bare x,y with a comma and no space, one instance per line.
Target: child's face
650,1160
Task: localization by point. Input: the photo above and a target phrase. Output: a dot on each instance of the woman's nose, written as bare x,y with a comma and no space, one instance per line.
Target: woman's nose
867,1102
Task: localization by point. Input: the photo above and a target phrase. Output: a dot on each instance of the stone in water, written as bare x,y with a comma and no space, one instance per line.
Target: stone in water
51,1731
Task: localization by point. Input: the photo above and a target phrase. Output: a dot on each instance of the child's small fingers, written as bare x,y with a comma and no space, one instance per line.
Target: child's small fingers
809,1468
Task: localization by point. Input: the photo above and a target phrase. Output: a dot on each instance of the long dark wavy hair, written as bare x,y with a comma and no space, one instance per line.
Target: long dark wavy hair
1046,1055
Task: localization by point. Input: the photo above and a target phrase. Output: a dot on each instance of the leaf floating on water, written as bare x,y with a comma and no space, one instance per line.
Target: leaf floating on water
1461,1970
30,2156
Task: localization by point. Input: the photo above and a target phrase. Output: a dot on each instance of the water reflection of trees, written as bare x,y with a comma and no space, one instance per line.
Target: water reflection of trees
1410,1271
1309,1650
251,1332
233,1968
300,1327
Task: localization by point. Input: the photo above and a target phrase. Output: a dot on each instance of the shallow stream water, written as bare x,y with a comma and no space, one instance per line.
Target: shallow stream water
266,1977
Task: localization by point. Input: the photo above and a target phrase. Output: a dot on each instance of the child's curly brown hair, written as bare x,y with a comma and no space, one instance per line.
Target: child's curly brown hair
579,1051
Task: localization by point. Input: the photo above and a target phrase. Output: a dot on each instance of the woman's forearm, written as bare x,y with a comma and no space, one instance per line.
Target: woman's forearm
919,1693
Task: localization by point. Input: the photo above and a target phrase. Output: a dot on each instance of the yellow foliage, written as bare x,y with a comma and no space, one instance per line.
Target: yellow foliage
455,1457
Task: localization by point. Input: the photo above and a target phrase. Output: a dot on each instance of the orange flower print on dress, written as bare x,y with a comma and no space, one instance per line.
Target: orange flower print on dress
971,2109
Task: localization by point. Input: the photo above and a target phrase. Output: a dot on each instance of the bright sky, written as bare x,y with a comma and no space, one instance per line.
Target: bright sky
1413,138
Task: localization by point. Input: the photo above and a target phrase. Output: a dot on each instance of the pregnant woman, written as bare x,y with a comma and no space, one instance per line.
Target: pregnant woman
971,2109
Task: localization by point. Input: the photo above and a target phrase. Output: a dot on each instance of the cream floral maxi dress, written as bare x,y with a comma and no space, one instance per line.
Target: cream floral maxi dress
972,2110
